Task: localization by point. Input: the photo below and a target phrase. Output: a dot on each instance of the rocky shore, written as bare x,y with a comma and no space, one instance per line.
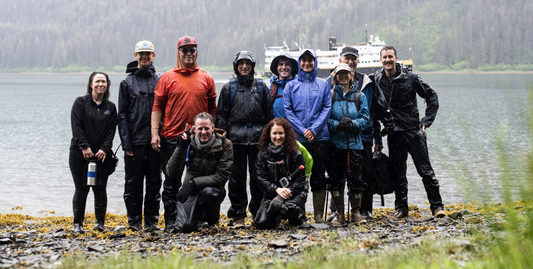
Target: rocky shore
27,241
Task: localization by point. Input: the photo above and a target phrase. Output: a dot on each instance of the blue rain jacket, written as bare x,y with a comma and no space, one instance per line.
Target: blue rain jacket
277,103
359,118
307,103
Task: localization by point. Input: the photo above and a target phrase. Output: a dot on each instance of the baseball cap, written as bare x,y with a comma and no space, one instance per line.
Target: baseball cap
186,40
350,50
144,45
341,67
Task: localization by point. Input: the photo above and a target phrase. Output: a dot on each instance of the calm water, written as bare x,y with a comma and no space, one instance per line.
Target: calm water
475,111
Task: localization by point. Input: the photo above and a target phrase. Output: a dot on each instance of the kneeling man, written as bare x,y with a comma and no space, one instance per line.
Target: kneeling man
209,159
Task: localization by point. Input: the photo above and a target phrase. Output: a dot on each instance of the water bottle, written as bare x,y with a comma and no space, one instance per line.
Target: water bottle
91,174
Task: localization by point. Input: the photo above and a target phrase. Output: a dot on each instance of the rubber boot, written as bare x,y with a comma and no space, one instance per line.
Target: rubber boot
355,201
79,216
338,221
332,209
99,212
366,206
319,198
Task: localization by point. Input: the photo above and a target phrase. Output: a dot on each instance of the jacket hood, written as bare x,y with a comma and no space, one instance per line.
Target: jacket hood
305,76
274,64
143,71
186,71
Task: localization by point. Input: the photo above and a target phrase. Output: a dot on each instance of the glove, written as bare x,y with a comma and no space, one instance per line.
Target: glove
345,124
277,205
186,190
184,143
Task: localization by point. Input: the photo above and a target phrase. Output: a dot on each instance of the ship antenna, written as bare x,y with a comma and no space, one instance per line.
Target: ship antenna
366,33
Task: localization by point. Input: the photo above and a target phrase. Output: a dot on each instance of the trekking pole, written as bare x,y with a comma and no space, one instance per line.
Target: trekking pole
326,209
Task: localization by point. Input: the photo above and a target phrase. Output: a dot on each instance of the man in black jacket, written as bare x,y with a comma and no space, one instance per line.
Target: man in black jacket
397,109
135,100
244,108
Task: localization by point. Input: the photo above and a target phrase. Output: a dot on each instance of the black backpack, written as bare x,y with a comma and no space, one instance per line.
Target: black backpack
383,183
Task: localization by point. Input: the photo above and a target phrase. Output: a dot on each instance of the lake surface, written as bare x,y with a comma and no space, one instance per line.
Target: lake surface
477,113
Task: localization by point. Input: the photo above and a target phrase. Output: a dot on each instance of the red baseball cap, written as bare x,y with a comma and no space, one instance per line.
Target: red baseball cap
186,40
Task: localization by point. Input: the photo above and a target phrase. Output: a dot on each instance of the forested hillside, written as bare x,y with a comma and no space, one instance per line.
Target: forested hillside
64,35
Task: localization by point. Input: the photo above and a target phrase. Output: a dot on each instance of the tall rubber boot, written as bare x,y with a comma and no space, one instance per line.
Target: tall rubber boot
79,215
100,211
355,201
319,198
366,205
338,198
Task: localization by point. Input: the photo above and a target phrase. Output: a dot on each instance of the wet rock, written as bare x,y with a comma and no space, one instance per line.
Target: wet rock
444,221
319,225
473,220
96,248
279,243
457,214
298,236
7,240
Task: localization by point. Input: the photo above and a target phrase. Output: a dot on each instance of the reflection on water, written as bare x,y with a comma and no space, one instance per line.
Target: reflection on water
475,111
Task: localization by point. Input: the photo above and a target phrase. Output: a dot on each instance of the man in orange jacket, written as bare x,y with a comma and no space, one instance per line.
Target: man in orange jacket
180,95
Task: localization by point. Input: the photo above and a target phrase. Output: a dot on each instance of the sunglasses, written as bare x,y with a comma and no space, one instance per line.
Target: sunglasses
185,51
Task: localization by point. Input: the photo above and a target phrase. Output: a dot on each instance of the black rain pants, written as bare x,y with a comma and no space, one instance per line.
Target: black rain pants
244,156
400,144
145,163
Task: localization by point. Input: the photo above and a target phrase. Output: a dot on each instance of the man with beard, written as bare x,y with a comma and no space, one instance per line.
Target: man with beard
397,109
135,100
244,108
180,95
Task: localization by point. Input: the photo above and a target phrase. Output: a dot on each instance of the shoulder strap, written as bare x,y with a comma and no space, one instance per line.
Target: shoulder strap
357,99
259,84
274,91
234,87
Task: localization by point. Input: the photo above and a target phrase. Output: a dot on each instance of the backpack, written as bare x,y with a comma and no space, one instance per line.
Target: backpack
383,181
235,88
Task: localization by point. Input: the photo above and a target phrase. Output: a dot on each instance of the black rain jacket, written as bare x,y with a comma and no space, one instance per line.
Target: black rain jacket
268,174
400,113
135,100
92,126
245,118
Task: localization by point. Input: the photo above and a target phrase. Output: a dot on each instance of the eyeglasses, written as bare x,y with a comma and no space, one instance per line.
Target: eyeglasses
185,51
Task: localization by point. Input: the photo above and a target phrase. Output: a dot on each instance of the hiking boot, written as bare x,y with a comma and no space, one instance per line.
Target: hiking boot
439,213
355,201
99,227
78,228
400,214
238,224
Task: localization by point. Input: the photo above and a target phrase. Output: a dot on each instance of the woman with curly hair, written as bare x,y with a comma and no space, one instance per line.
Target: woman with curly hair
281,176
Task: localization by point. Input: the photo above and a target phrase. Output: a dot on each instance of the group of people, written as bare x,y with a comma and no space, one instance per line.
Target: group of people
301,132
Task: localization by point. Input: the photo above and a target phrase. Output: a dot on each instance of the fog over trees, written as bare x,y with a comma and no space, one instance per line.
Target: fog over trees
56,34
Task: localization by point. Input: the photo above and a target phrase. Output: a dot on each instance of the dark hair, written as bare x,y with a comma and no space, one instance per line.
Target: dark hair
204,116
388,48
290,135
90,89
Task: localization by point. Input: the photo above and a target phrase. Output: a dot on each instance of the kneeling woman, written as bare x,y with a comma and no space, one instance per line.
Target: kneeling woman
349,116
281,176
